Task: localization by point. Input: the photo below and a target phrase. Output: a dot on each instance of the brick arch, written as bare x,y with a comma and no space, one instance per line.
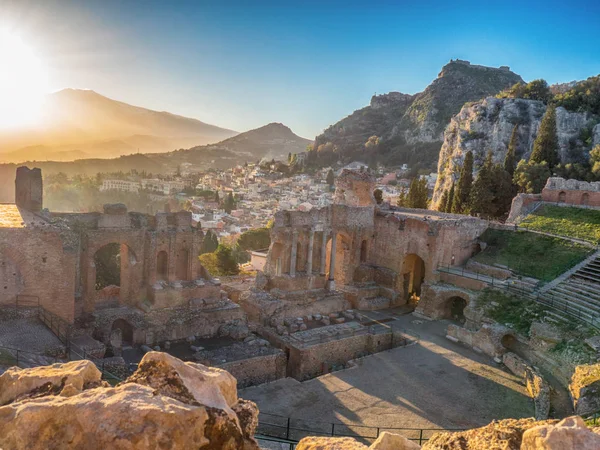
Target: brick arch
132,269
436,300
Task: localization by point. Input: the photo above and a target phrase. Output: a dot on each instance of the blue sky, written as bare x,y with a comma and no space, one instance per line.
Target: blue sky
242,64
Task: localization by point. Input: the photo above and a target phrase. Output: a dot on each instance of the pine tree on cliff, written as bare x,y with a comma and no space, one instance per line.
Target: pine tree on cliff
330,178
481,197
450,199
463,189
545,146
510,161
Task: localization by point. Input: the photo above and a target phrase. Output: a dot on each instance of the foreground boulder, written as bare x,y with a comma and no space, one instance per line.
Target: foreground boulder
385,441
585,388
569,434
165,404
72,377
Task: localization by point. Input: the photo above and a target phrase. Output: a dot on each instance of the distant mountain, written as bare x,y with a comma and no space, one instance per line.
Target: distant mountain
410,127
272,141
87,123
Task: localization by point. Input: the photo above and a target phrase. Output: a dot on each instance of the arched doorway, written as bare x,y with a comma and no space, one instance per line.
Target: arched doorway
182,266
585,199
112,265
456,309
509,342
413,275
162,266
562,197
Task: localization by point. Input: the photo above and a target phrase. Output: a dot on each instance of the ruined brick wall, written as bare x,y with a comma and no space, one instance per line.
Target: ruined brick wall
34,265
257,370
571,192
29,189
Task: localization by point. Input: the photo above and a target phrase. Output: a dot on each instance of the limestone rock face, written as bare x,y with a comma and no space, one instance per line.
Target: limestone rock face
18,383
569,434
323,443
585,388
166,403
410,127
488,124
390,441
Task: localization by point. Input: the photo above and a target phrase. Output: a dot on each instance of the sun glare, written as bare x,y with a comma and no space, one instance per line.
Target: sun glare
23,82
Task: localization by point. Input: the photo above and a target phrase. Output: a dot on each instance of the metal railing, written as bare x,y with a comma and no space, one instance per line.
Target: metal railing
547,299
10,356
291,429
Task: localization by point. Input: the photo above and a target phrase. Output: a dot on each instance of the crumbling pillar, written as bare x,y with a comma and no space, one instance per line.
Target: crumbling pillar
331,281
309,257
293,253
322,269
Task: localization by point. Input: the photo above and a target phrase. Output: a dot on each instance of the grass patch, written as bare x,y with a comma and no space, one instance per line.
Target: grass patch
510,310
575,351
530,254
566,221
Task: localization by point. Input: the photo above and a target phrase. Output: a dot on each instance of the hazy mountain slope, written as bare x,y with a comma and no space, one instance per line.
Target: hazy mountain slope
411,128
274,140
75,119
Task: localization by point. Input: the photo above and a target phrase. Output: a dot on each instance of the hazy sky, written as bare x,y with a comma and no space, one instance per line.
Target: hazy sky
242,64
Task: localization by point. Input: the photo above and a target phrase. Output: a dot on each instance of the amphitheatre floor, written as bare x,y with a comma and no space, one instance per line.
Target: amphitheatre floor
433,383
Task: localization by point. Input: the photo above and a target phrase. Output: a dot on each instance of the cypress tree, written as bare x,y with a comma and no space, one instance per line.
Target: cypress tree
443,202
463,189
450,199
545,146
510,161
481,196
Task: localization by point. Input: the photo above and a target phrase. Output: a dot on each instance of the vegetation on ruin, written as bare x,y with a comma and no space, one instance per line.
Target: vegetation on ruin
221,262
566,221
527,253
509,310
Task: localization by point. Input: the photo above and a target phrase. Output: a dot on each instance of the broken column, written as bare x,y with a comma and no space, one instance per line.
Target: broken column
29,189
309,257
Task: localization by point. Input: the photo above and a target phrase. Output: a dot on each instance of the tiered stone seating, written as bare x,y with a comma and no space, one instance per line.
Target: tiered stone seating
581,290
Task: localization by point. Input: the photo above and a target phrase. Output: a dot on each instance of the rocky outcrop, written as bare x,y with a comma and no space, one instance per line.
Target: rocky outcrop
488,125
385,441
166,403
75,376
408,125
585,388
569,434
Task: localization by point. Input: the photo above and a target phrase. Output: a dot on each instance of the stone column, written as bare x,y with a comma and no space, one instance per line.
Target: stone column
309,257
331,281
323,253
293,253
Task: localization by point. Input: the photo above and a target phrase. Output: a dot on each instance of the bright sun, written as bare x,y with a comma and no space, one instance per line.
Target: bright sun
23,82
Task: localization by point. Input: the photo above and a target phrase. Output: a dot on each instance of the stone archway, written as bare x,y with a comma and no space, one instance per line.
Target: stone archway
182,265
562,197
111,273
343,269
585,199
413,275
455,309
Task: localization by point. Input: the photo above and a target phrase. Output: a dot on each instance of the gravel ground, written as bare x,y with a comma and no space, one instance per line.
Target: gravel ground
433,383
27,334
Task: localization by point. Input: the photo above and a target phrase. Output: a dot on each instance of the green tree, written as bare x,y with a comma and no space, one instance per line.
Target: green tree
510,161
481,196
378,194
502,190
217,199
450,199
255,239
595,161
531,177
463,188
210,243
545,146
225,260
229,204
443,205
402,198
418,194
330,178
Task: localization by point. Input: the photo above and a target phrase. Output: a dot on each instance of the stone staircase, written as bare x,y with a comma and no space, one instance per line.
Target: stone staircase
580,290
